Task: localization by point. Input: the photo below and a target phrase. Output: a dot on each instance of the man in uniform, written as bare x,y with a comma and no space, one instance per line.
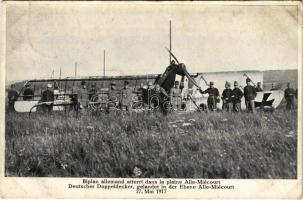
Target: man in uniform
83,97
48,99
175,96
250,95
273,87
126,97
259,88
112,97
12,96
28,93
159,96
213,96
237,95
227,98
289,95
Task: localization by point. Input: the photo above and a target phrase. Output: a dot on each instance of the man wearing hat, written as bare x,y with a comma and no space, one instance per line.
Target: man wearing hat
213,96
250,95
237,95
259,88
83,97
227,98
126,96
289,95
12,96
158,96
48,99
28,93
175,96
113,99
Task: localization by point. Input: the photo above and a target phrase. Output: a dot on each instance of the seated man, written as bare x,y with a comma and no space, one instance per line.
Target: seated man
28,93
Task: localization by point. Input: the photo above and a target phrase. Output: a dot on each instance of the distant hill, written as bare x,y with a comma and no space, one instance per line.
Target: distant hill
280,77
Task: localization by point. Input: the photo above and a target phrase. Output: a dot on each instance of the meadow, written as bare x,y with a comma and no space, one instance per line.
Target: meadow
188,145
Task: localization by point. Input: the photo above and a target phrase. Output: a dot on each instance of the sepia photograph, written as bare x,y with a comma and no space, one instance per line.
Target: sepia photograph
154,90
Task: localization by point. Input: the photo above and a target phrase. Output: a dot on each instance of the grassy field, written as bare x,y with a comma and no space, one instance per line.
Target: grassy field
192,145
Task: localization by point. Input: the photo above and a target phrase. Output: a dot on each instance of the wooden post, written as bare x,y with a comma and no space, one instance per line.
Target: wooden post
170,41
104,63
75,69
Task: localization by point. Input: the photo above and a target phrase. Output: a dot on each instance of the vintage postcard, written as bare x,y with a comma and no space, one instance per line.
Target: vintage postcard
151,100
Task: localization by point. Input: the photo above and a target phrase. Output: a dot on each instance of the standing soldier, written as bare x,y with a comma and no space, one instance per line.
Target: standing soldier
259,88
12,96
112,97
273,87
289,95
250,95
28,93
83,97
175,96
48,99
237,95
227,98
213,96
126,97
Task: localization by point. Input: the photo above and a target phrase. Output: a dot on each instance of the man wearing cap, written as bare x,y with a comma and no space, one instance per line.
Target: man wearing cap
259,88
289,95
28,93
273,87
237,95
213,96
126,97
159,95
12,96
48,99
227,98
175,96
83,97
250,95
113,98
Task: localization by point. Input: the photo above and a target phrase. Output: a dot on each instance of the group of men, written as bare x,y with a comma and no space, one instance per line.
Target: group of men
153,96
231,97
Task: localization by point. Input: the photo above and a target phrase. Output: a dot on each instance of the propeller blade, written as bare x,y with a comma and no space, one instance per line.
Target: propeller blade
172,55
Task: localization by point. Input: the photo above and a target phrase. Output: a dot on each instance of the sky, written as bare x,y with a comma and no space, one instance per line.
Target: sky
42,37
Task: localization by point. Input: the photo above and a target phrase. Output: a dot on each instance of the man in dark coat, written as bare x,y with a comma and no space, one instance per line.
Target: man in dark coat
250,95
227,98
213,96
48,99
237,95
259,88
28,93
289,95
12,96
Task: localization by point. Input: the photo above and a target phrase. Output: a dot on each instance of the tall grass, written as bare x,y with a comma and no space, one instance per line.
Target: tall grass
203,145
